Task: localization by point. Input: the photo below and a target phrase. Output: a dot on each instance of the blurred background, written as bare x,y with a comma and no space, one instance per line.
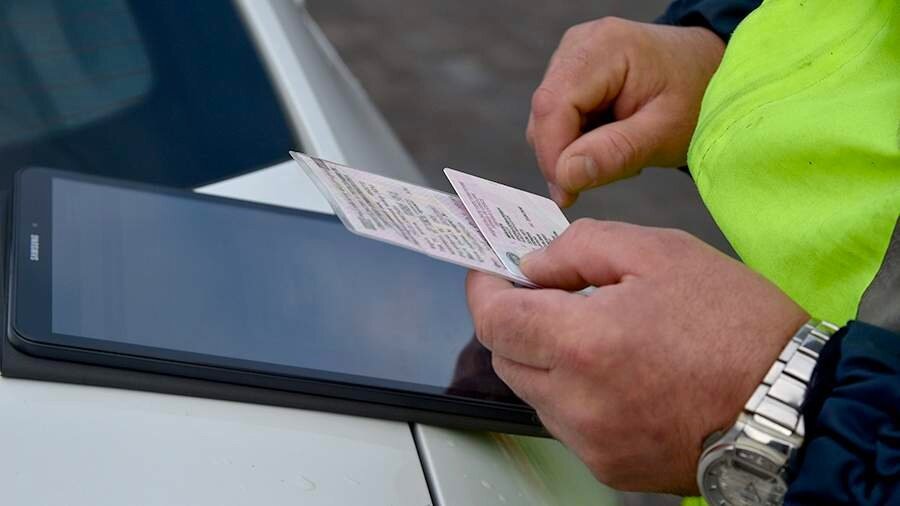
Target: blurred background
454,80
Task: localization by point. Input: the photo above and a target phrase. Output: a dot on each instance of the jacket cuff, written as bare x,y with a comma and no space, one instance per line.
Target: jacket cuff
851,454
719,16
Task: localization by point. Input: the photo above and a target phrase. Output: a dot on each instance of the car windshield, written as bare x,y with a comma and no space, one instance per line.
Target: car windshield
167,91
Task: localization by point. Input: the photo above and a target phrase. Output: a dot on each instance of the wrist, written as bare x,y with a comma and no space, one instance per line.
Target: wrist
764,344
747,464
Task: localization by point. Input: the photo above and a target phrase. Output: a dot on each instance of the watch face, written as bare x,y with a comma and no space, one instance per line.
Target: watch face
729,481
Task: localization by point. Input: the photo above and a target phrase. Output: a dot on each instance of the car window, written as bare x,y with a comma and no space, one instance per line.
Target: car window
166,91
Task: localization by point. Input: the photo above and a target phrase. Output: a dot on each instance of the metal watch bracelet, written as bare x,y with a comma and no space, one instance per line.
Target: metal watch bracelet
776,403
747,464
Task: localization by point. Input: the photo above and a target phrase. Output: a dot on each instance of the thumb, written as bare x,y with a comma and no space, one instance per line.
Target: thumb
588,253
612,151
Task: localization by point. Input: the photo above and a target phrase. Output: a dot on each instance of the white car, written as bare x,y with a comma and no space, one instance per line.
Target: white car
83,445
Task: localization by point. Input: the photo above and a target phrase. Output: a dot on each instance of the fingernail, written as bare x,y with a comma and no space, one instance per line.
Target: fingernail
556,194
581,172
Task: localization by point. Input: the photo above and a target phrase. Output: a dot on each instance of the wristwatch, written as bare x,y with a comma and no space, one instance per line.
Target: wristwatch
747,464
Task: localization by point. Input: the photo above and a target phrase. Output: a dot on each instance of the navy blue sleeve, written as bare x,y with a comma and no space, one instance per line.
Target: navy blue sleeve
720,16
852,450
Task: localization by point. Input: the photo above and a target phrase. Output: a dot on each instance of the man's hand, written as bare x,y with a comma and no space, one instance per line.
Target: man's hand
633,377
648,79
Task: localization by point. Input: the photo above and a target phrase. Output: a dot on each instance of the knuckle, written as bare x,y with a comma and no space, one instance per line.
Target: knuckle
482,329
575,31
500,343
585,233
581,228
510,319
623,150
571,64
610,22
579,57
485,322
520,309
582,232
609,25
543,101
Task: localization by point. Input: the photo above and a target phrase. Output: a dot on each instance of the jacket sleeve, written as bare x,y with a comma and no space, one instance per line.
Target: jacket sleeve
851,454
720,16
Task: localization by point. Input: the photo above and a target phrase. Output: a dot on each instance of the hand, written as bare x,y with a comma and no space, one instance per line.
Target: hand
649,79
664,352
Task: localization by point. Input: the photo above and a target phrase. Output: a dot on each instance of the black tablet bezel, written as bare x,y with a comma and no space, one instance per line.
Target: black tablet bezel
29,314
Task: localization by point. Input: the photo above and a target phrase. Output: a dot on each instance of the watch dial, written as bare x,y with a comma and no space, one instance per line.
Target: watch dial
730,482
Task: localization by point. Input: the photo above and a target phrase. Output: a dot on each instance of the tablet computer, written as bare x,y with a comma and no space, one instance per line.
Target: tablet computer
141,277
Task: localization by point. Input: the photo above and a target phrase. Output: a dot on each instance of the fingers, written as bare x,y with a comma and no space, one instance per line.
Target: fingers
577,82
591,253
553,126
529,383
482,288
519,324
610,152
563,199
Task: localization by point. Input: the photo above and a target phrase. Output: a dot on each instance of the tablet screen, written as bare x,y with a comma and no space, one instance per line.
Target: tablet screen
276,290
